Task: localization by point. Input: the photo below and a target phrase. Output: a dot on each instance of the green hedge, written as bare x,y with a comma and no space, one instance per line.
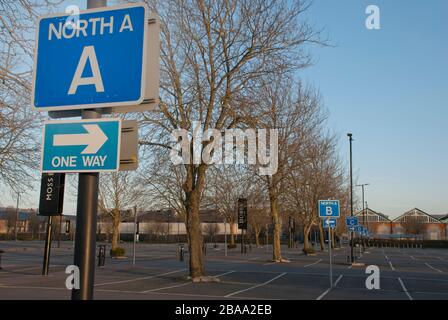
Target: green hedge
117,252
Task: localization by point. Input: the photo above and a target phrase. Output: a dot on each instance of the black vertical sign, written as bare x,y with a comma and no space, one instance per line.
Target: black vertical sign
67,226
242,213
52,194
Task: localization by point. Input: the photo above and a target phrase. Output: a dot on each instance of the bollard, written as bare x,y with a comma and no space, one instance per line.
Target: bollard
1,252
204,248
181,252
101,255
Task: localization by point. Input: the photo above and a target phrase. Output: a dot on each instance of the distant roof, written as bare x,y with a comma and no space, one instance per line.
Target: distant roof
368,210
419,211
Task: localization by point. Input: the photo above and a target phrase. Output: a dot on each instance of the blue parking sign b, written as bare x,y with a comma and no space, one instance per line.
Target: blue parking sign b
329,208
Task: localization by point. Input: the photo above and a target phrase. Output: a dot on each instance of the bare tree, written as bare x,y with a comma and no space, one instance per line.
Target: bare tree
118,193
320,178
19,144
211,230
296,113
34,225
225,185
213,55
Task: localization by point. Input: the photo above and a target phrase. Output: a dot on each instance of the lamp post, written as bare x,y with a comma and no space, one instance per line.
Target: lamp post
363,207
350,138
17,216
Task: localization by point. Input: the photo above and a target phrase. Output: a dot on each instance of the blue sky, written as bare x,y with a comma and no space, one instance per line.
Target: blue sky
389,88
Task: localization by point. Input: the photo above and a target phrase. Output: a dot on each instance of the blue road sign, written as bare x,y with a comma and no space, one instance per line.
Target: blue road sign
351,221
329,208
81,145
329,223
359,229
352,228
365,231
96,61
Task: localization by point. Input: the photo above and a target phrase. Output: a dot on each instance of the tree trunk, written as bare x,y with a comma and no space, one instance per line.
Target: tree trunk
115,230
321,237
306,237
194,234
276,247
232,234
257,234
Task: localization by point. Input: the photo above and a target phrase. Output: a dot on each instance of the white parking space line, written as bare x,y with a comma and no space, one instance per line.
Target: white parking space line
391,266
256,286
435,269
312,264
404,288
329,289
137,279
169,287
183,284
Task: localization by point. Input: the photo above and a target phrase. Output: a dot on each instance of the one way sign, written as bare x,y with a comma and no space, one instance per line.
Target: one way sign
81,145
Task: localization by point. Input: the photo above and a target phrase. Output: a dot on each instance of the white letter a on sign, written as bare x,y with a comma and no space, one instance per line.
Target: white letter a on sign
95,79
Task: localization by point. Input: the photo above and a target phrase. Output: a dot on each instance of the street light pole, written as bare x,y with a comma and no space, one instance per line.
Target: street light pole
17,217
363,209
350,136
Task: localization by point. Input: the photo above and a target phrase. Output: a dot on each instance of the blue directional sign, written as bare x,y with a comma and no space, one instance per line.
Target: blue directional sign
95,60
365,231
329,223
351,221
329,208
359,229
81,145
352,228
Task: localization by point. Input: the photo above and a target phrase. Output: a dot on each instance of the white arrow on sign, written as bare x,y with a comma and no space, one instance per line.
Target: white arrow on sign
94,139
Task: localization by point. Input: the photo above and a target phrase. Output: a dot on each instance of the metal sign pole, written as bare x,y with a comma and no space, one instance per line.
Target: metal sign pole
331,266
46,263
135,235
86,215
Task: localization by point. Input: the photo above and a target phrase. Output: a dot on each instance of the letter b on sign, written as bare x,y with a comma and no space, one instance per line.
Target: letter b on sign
328,211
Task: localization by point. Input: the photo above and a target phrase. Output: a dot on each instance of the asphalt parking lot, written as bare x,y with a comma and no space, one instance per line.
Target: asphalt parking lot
406,274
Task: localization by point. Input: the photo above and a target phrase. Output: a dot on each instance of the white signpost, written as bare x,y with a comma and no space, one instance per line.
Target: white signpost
329,212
